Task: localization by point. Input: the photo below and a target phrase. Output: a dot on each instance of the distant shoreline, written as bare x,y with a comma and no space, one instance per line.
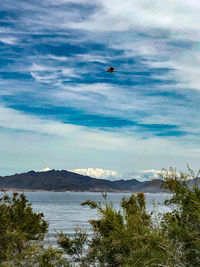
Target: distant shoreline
62,181
68,191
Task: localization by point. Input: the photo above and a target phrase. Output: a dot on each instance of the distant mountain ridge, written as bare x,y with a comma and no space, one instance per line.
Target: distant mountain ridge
63,180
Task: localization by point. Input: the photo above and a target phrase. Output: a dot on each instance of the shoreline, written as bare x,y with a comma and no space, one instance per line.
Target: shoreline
68,191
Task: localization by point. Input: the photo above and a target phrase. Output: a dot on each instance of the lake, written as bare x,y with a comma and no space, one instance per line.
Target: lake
63,210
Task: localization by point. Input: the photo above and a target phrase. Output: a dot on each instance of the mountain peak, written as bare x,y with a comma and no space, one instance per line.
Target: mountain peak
67,180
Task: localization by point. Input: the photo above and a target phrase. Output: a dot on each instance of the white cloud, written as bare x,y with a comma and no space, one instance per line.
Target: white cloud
43,73
98,173
113,97
185,69
10,118
70,72
43,78
59,58
133,14
49,73
141,175
151,174
45,170
8,40
38,68
16,120
91,58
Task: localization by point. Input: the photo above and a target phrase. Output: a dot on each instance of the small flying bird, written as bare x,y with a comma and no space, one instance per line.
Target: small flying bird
111,69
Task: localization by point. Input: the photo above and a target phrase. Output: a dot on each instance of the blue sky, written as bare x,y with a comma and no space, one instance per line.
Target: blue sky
59,108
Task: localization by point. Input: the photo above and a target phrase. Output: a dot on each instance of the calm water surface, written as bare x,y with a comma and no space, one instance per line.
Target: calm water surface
63,210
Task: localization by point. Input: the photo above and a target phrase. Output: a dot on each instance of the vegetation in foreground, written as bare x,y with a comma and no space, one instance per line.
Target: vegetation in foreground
126,237
22,233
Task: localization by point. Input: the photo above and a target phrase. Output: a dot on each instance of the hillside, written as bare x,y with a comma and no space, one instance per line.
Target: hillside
65,180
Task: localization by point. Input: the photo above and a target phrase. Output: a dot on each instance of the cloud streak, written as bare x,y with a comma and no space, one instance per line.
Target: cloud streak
53,81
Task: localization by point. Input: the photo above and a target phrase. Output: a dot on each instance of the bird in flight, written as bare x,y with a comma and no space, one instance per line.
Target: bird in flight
111,69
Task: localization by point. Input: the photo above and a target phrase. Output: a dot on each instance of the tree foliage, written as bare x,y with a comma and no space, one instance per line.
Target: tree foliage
22,232
182,225
131,236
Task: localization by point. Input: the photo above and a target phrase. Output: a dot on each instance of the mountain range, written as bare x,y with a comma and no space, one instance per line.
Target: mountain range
63,180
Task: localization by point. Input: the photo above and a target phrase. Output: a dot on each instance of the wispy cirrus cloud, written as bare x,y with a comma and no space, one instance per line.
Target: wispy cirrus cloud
53,79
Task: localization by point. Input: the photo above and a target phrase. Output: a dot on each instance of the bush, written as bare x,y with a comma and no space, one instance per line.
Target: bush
21,234
123,238
130,236
182,225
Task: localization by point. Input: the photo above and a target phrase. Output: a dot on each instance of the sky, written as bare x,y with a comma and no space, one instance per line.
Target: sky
60,109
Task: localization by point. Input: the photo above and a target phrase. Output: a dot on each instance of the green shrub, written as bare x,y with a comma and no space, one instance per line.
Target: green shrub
124,238
131,237
182,225
22,232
